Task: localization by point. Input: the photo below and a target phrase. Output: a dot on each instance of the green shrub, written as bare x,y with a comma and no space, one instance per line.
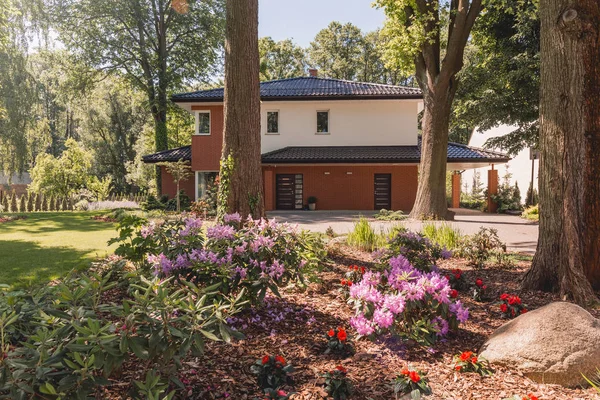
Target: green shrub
364,237
484,246
387,215
420,251
531,213
443,235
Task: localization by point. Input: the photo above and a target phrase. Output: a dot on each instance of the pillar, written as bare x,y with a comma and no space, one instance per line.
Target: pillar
456,189
492,207
268,190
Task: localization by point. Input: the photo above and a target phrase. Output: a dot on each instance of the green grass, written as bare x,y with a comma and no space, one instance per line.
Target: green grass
442,234
366,238
45,246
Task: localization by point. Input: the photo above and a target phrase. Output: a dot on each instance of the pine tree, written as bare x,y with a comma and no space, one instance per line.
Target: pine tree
30,202
23,204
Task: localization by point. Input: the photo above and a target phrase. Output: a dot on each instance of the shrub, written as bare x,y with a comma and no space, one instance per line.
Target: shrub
152,203
337,384
456,279
273,394
530,396
482,246
469,362
418,250
387,215
594,383
364,237
532,213
413,382
257,255
511,305
338,343
330,232
272,371
480,290
407,302
443,235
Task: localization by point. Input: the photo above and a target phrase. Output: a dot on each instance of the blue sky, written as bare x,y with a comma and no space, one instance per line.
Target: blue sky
302,20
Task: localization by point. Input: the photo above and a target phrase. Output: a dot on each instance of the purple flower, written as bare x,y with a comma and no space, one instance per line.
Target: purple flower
218,232
384,319
457,308
394,303
363,326
446,254
228,218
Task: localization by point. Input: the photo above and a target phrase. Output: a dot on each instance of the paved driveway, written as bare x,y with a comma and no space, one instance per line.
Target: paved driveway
518,234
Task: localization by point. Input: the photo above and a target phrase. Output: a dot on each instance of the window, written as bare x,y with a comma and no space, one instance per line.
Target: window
203,123
205,185
272,121
322,121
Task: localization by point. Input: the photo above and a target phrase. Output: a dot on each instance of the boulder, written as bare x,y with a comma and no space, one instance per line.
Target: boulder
553,344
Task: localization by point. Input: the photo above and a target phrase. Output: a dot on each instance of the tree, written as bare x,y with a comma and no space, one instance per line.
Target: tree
415,31
500,79
568,253
64,175
241,184
372,63
280,60
337,51
180,171
158,44
477,188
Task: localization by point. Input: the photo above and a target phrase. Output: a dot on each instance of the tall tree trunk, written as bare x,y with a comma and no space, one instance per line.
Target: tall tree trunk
568,251
242,190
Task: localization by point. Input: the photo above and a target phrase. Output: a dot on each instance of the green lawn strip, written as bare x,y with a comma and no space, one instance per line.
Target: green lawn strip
47,245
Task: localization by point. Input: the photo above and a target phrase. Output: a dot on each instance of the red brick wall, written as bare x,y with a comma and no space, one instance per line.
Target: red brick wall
170,188
206,150
341,191
18,188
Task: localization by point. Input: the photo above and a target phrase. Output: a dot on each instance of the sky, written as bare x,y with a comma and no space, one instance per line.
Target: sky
302,20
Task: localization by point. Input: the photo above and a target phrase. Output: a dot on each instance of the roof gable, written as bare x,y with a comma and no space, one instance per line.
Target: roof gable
312,88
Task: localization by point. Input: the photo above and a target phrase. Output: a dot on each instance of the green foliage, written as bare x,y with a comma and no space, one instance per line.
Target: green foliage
469,362
388,215
280,60
364,237
271,371
227,165
179,171
326,54
532,197
485,245
337,384
532,213
420,251
338,343
64,175
595,383
413,382
100,187
443,235
508,197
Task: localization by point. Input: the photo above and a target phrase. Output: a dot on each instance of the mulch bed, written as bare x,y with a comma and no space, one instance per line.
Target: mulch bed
5,218
295,326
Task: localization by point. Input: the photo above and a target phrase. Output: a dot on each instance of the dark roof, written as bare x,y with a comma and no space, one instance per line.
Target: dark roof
347,154
374,154
312,88
173,155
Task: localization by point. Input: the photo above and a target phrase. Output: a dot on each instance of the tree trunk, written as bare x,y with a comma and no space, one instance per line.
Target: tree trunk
241,138
568,251
431,192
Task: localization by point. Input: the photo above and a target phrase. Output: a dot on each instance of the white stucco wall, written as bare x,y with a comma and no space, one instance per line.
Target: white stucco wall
351,123
519,166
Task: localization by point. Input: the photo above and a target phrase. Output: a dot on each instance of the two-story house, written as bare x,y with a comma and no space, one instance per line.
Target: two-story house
353,145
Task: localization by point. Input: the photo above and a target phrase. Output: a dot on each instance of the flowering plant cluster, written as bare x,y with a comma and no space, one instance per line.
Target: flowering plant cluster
469,362
413,382
456,279
530,396
337,384
405,301
256,255
480,290
272,371
338,343
511,305
277,394
355,273
421,252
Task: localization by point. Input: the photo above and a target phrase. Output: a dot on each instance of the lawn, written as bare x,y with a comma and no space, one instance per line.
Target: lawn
45,246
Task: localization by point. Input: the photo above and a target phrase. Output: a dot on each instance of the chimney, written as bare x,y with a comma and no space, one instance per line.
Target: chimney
313,72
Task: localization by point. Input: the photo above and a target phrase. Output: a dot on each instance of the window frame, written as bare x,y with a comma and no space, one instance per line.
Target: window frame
267,123
197,127
196,181
328,122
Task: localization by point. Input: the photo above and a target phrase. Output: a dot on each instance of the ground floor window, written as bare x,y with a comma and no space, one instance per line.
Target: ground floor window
205,184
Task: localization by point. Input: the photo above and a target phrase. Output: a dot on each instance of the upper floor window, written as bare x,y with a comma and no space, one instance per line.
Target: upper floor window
272,121
203,122
322,121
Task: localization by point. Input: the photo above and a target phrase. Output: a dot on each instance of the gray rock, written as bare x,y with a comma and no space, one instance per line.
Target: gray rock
553,344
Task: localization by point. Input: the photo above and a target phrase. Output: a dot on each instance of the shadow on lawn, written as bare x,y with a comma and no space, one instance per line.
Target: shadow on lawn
25,263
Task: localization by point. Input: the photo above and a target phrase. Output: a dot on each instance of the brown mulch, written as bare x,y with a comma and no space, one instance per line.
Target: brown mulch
103,218
295,326
5,218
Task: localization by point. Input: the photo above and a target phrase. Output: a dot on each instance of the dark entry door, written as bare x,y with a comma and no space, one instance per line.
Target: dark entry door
383,191
289,191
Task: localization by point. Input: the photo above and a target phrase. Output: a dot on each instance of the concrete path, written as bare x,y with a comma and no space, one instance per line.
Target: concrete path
518,234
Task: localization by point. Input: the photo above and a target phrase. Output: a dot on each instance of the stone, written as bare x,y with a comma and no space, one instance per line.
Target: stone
554,344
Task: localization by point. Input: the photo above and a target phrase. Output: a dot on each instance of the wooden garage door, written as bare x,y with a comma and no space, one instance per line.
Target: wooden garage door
383,191
289,191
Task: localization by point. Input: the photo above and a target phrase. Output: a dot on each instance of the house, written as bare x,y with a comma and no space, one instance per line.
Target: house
353,145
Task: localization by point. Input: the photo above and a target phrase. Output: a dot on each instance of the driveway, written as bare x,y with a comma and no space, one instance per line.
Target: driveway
518,234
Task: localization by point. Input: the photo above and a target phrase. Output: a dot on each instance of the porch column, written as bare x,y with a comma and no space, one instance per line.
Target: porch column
492,189
456,189
268,189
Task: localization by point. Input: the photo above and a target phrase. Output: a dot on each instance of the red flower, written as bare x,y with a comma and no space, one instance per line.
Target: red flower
484,287
532,397
281,393
342,336
280,359
512,311
454,293
457,273
331,333
265,359
503,307
405,371
514,300
479,282
447,277
414,376
362,270
474,360
343,282
458,368
523,311
466,355
503,296
341,369
349,283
